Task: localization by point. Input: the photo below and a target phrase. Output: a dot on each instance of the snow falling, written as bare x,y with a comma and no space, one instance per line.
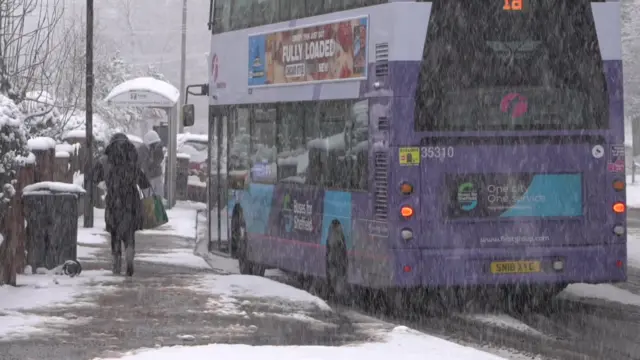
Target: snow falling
453,178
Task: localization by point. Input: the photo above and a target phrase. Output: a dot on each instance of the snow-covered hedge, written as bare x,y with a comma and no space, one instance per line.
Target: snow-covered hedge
13,140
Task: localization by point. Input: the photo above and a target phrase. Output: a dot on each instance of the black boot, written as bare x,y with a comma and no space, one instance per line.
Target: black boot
116,264
129,254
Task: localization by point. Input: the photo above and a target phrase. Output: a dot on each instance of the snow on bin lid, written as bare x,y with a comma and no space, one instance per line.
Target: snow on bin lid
62,154
41,143
183,156
52,187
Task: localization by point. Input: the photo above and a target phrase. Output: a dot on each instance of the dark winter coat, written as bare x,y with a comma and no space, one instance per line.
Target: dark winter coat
151,158
122,176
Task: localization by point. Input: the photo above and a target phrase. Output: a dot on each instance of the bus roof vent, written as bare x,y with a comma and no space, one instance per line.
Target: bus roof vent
382,59
381,185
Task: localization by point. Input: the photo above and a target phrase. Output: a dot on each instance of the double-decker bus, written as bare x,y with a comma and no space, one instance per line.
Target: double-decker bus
445,143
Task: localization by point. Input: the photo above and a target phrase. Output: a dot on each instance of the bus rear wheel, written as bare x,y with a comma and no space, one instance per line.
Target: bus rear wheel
337,264
239,242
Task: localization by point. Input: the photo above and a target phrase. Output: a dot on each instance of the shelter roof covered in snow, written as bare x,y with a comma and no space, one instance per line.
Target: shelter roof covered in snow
144,91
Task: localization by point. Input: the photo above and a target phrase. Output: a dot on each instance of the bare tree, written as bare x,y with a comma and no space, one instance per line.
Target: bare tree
55,104
27,41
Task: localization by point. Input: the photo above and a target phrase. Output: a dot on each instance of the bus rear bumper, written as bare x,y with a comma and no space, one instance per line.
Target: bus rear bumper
461,267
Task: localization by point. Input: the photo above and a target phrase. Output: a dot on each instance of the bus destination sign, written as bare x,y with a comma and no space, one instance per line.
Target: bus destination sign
328,52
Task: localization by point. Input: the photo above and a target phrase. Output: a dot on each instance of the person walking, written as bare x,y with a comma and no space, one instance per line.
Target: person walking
123,212
151,157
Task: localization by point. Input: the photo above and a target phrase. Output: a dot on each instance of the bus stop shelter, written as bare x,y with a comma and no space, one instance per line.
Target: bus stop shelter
148,92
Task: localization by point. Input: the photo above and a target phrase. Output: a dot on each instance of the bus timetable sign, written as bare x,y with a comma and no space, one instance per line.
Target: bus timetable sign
329,52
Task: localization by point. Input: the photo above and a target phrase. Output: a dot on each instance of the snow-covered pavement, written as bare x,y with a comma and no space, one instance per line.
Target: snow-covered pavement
175,298
400,341
49,291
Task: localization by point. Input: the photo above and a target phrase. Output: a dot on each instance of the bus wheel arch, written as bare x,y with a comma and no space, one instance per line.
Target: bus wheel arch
337,262
239,243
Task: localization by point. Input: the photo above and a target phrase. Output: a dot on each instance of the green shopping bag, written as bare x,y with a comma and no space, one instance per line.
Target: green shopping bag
153,211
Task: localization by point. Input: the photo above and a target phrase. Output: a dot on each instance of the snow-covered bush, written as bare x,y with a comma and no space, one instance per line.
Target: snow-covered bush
13,140
42,116
13,150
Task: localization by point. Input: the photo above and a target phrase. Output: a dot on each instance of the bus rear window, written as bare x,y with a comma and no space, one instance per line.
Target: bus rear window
489,65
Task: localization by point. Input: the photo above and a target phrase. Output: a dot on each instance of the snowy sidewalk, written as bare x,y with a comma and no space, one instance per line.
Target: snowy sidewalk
174,298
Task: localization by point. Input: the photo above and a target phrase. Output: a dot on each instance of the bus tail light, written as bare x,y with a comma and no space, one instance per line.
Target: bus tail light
619,208
406,234
406,212
406,189
618,185
618,230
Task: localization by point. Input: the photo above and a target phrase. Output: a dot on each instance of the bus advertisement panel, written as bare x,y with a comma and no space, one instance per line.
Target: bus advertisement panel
329,52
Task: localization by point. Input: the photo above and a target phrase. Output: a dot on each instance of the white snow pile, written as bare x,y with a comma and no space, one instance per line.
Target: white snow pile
41,109
146,84
189,137
182,221
26,160
41,143
68,148
401,341
176,257
13,141
230,289
9,113
193,180
76,127
53,187
48,291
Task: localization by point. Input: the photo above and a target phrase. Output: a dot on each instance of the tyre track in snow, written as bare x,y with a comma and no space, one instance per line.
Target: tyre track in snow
574,330
602,331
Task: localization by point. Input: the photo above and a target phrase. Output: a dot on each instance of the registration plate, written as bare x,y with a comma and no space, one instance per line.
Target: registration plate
515,267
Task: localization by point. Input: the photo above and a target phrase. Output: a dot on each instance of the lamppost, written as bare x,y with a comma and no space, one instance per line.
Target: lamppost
88,165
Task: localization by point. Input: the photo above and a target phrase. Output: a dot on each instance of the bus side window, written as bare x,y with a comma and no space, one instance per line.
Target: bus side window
240,14
314,7
222,16
315,169
333,5
358,144
297,9
285,10
292,150
264,12
263,144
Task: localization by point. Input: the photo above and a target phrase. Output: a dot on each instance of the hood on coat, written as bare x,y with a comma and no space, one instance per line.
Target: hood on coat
151,137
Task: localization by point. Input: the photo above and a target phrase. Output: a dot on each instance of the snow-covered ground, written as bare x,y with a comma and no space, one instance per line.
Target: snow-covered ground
401,340
605,292
182,220
239,287
177,257
633,192
182,224
36,292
